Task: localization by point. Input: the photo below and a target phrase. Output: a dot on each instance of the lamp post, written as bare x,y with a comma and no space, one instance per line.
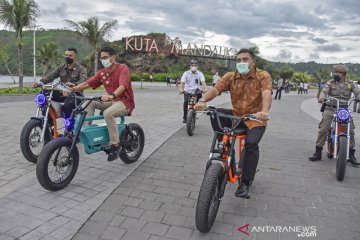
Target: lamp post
34,55
34,49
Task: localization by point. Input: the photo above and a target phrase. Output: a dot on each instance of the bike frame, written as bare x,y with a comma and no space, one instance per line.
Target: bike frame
78,131
50,110
192,98
340,128
226,159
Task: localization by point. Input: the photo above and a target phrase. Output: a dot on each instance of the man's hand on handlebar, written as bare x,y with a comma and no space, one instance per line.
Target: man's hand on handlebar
200,106
69,84
107,98
36,85
321,100
262,116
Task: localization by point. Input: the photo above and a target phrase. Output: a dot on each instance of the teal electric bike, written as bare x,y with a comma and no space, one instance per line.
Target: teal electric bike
58,161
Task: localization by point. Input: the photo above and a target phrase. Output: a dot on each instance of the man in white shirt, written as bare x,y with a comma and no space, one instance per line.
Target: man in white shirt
191,80
306,86
216,78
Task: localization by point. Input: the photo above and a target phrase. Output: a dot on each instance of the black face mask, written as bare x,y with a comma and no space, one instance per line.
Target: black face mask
69,60
336,78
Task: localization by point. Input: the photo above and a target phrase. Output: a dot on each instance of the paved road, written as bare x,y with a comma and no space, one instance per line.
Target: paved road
27,211
156,201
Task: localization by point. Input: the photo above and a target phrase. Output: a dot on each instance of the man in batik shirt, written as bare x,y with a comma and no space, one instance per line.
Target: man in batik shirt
250,89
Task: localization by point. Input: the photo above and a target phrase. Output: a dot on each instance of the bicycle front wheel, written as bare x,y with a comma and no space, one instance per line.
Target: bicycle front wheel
209,198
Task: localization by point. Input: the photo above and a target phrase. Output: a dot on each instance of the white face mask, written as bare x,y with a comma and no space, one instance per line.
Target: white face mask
193,68
243,68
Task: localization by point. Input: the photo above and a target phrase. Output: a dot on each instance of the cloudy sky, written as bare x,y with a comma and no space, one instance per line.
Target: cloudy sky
325,31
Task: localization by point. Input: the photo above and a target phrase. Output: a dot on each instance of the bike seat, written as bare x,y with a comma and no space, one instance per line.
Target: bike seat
240,131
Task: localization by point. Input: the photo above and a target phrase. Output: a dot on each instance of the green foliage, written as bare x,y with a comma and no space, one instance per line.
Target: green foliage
48,56
93,33
208,78
15,90
286,72
301,77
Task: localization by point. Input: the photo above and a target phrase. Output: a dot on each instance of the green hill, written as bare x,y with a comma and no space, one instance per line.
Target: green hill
63,38
139,63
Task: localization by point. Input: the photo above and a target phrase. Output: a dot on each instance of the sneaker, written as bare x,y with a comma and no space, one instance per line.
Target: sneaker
184,120
113,153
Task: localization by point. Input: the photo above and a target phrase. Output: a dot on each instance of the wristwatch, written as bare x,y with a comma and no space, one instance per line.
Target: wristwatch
113,94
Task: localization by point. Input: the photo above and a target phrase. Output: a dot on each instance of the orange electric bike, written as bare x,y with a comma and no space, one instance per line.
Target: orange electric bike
42,128
221,167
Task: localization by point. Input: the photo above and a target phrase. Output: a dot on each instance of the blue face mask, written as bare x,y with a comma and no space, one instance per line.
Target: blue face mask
106,63
243,68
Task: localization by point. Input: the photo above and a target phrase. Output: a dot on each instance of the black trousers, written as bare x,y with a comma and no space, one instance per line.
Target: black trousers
186,103
278,92
251,150
69,102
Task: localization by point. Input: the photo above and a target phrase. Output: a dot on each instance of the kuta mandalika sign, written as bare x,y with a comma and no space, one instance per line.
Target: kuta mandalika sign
162,44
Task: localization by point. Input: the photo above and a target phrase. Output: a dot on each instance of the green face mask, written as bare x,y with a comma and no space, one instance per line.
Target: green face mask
106,63
243,68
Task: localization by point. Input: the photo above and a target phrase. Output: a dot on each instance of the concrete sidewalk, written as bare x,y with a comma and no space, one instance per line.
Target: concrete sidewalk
157,201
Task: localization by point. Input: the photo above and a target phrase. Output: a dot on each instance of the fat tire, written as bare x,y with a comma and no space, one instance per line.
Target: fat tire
211,181
341,160
123,154
190,122
24,139
43,162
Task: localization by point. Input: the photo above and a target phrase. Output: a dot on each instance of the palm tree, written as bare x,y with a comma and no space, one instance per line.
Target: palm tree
91,30
4,56
48,55
17,15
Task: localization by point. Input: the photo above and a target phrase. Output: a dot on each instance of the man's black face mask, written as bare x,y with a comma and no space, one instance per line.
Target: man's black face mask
69,60
336,77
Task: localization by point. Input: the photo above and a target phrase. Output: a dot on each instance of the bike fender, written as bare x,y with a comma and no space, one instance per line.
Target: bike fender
41,119
214,160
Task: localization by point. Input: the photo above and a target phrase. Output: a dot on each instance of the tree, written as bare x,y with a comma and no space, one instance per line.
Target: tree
286,72
17,15
48,55
91,30
4,56
299,77
323,74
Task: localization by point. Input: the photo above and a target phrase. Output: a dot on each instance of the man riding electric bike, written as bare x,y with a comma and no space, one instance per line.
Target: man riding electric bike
340,88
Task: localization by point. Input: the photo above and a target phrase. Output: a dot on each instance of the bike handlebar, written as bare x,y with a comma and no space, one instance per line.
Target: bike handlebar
338,101
211,111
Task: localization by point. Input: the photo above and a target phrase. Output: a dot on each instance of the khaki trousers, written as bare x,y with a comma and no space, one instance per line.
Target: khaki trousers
112,110
325,124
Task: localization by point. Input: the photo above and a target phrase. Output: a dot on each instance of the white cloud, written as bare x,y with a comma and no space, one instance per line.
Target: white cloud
300,30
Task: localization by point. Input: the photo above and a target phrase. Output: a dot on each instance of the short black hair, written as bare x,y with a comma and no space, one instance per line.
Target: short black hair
245,50
72,49
108,49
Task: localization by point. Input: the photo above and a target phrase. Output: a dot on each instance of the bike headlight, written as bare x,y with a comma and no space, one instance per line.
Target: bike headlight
69,124
40,99
343,114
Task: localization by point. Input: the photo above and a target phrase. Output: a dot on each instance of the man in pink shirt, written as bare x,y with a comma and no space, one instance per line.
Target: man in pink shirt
120,98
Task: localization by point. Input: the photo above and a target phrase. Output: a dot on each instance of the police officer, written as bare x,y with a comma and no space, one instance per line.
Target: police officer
191,80
340,88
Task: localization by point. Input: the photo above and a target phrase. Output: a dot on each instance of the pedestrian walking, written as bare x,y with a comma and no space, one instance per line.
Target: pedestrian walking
279,88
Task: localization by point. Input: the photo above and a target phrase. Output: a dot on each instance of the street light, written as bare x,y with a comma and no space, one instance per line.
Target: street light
34,49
